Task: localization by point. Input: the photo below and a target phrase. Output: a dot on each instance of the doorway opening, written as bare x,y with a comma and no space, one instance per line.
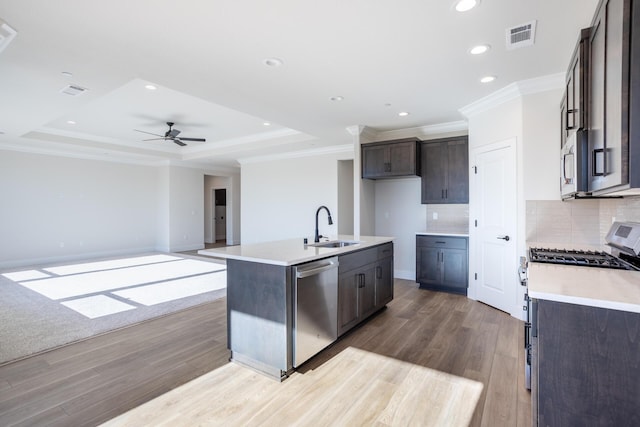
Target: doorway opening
219,225
219,212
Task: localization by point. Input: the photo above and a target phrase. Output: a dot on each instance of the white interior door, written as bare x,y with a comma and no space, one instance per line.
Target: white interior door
494,209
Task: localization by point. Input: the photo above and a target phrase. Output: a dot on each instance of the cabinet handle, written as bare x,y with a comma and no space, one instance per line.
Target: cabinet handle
378,272
442,194
441,242
446,193
600,154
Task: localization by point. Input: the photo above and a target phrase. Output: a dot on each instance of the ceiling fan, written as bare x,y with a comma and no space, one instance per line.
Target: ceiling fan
171,135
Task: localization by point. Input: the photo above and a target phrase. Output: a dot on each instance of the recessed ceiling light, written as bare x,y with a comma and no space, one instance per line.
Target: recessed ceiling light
150,87
337,98
266,124
71,122
273,62
480,49
465,5
387,105
487,79
403,113
67,74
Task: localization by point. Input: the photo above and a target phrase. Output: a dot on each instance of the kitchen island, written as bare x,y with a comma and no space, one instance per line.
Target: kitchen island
262,298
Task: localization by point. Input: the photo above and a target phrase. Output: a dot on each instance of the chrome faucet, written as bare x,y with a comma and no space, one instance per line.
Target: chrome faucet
318,236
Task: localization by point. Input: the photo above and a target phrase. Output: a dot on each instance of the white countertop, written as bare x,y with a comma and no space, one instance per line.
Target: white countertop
427,233
596,287
292,251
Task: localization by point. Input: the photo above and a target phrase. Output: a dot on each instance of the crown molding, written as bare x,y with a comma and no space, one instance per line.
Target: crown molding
514,91
422,131
334,149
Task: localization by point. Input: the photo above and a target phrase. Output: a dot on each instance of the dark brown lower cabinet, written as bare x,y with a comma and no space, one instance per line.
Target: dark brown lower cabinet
585,366
442,263
365,284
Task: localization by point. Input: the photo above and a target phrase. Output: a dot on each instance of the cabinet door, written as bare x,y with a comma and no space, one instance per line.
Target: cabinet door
348,300
428,265
402,158
454,268
367,295
563,122
458,172
434,172
606,139
374,161
384,281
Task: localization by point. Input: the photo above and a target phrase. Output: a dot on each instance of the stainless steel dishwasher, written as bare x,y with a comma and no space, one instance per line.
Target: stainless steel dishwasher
315,309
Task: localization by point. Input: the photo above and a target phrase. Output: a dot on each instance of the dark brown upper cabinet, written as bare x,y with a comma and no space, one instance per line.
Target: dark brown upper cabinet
391,159
614,99
575,109
445,170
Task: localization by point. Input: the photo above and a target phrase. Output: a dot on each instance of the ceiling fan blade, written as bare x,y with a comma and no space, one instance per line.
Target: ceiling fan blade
177,141
154,139
154,134
194,139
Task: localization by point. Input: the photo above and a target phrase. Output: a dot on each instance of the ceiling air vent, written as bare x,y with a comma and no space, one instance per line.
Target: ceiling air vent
521,35
73,90
6,35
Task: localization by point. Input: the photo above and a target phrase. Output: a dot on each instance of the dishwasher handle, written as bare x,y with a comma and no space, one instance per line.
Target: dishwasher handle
316,269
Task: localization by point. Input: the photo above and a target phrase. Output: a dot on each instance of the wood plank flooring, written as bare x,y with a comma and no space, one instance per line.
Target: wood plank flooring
90,382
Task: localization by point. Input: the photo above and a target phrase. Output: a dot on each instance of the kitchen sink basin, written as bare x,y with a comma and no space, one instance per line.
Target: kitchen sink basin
334,244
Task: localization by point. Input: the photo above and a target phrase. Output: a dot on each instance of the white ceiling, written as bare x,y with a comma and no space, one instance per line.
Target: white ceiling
207,60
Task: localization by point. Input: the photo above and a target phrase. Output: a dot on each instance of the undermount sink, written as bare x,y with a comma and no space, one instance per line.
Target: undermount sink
334,244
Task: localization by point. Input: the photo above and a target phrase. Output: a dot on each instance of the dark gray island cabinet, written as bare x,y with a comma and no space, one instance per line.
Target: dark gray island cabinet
261,295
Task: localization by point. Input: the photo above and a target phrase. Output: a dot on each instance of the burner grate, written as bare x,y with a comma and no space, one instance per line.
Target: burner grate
577,257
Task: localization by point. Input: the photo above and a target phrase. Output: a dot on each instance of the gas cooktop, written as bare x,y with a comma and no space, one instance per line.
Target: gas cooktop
578,257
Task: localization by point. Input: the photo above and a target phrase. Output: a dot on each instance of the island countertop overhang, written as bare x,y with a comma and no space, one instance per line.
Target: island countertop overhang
292,251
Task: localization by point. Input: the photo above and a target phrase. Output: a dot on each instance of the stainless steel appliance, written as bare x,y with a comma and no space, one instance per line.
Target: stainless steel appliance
574,166
315,316
624,240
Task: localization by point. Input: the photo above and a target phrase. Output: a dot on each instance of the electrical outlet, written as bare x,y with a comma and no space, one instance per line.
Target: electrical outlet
435,215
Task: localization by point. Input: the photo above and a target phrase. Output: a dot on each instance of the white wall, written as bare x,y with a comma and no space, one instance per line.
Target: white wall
345,197
541,148
400,214
280,197
55,208
186,209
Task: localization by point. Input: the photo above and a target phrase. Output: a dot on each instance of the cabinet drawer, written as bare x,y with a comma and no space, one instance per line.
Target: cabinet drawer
444,242
357,259
385,250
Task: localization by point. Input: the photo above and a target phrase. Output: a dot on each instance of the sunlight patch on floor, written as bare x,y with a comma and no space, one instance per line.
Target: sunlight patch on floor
97,306
181,288
144,281
89,283
110,264
22,276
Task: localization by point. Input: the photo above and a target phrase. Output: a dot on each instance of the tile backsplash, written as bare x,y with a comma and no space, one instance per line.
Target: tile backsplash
584,222
452,218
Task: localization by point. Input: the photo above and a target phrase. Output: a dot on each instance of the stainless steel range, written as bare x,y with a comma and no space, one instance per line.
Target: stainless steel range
624,240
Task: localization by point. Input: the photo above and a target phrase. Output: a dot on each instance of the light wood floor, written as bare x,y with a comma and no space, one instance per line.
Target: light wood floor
88,383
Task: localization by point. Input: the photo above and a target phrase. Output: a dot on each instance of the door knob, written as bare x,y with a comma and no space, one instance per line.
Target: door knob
504,238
